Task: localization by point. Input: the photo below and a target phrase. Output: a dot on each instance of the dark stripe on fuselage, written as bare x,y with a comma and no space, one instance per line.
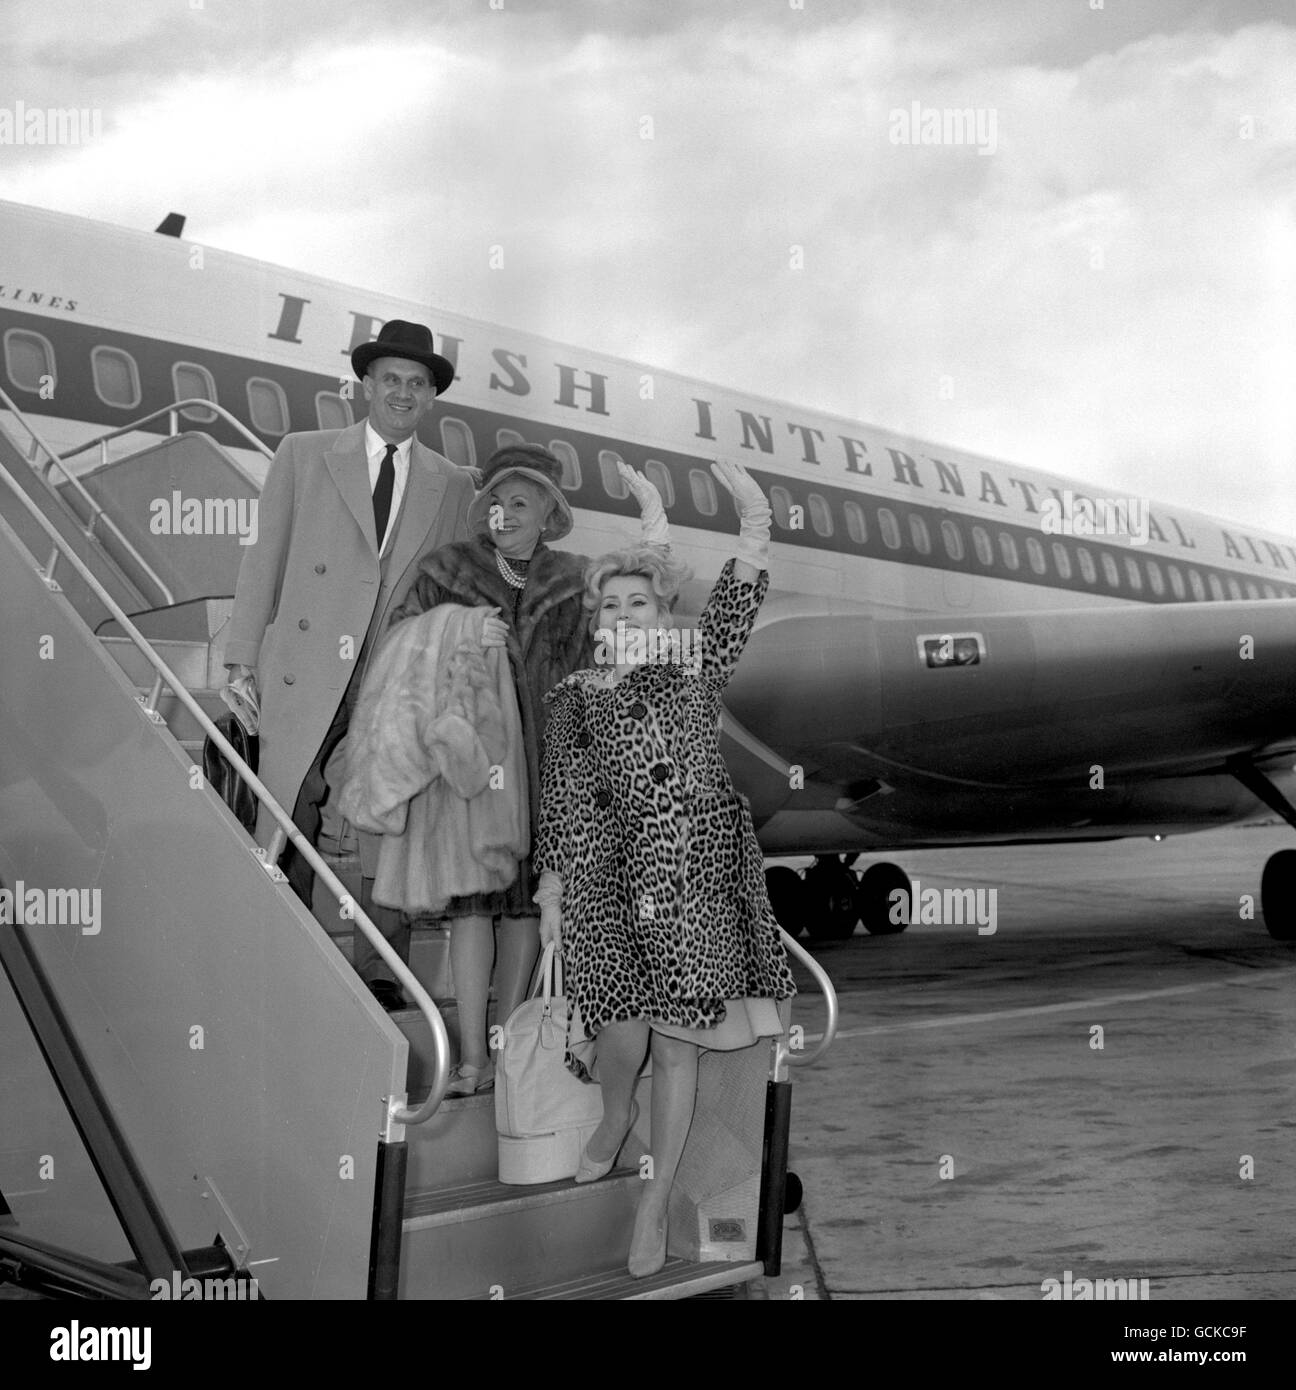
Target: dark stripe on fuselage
898,538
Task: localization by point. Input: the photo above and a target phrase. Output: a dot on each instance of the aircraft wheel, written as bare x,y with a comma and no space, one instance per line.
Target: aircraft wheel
788,898
873,896
792,1194
1278,895
832,907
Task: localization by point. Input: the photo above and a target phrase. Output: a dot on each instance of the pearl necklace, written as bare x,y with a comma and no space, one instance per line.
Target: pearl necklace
508,573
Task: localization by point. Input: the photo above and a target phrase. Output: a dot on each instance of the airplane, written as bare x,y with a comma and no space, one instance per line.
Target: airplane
955,649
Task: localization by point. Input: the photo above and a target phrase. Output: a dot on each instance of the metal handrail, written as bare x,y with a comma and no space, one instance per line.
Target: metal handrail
397,1113
805,1059
96,511
101,441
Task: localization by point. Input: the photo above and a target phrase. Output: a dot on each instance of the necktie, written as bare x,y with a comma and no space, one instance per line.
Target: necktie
383,494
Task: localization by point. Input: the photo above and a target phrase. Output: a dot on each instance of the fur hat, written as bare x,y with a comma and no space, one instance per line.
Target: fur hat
537,465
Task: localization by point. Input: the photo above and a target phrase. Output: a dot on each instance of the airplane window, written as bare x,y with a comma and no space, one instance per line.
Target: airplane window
1176,582
1196,585
570,460
781,502
1008,549
1062,559
856,526
820,516
1235,589
1251,590
1270,591
1087,571
702,486
267,406
889,527
28,358
1216,588
191,381
505,439
1155,578
1110,573
953,539
612,483
1035,554
1135,574
981,542
457,442
333,411
659,476
116,377
920,535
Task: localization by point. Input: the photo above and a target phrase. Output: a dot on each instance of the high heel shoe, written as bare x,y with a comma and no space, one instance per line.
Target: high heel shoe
467,1080
649,1260
591,1170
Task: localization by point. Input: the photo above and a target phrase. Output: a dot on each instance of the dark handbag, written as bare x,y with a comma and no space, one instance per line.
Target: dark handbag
228,785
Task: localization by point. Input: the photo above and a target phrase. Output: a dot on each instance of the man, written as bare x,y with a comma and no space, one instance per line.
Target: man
345,516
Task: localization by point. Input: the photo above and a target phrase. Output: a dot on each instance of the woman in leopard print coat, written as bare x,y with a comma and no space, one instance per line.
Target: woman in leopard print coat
651,876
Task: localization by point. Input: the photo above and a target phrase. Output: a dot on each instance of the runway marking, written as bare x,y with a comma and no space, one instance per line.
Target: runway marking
1035,1010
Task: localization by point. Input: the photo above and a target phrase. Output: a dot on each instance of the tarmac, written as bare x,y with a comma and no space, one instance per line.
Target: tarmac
1102,1087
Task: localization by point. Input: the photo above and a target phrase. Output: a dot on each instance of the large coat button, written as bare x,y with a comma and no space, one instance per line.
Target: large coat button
638,710
583,739
604,799
289,679
303,623
660,772
320,568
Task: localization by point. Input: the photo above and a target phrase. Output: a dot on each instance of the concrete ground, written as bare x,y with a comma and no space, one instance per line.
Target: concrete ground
968,1138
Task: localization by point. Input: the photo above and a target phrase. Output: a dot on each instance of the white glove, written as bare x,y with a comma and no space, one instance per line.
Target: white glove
242,697
753,512
549,898
652,515
494,629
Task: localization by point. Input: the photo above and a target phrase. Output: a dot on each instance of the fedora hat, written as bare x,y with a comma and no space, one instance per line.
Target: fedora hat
537,465
409,340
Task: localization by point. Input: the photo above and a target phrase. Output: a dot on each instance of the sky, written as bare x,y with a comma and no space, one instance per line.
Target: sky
1096,277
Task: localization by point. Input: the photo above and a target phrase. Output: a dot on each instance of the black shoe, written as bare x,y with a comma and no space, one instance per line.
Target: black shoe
388,994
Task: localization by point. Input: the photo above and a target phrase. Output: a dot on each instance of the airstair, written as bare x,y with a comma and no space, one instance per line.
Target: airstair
231,1101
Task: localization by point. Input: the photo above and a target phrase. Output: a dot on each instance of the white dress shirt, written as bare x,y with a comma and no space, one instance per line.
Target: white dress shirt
375,448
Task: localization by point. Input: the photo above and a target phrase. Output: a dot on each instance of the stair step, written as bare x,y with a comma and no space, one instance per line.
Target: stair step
187,659
485,1239
457,1145
676,1279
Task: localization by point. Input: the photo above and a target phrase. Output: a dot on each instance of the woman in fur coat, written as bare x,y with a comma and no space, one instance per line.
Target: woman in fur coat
540,619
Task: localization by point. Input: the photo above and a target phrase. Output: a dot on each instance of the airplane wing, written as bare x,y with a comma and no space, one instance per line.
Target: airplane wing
1043,725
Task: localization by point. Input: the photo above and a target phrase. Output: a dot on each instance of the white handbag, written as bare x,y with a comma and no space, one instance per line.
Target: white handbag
543,1114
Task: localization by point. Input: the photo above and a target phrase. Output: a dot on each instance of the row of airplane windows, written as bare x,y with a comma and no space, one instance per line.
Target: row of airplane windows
29,358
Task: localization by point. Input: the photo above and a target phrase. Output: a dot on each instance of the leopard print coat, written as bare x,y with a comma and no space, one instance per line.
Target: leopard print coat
665,913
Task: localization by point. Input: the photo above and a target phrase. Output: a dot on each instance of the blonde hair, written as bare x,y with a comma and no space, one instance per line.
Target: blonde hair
665,575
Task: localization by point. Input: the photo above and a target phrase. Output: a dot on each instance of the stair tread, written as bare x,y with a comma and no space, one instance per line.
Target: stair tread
676,1279
489,1197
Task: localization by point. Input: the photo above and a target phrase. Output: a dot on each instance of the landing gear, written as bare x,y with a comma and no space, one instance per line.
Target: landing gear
875,903
1278,895
787,896
831,893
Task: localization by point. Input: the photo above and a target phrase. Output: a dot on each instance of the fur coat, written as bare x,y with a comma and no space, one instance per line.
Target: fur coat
436,717
549,635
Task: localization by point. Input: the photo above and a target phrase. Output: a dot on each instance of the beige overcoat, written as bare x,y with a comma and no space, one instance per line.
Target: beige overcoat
310,585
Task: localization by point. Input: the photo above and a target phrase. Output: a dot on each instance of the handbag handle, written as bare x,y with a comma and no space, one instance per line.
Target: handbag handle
549,977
